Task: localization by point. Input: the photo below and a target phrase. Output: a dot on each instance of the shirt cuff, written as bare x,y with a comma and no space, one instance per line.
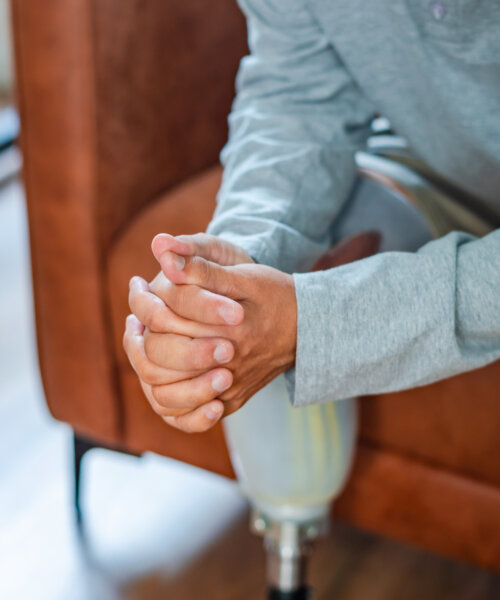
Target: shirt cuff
307,381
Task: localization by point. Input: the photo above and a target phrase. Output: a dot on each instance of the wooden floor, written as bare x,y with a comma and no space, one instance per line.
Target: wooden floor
156,529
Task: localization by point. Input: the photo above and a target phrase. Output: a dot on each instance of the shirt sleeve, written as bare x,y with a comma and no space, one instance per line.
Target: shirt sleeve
295,124
398,320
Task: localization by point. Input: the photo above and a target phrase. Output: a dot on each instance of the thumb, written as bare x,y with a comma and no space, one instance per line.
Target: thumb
205,245
194,270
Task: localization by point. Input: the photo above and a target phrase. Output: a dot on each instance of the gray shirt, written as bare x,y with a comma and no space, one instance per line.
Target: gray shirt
317,72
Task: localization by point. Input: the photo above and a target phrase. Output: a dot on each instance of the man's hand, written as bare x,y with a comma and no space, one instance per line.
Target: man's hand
185,354
259,347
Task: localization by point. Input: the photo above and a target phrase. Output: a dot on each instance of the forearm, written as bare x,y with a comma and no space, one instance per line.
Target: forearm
398,320
296,122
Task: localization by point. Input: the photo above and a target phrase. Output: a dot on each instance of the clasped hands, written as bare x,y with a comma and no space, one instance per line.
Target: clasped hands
209,331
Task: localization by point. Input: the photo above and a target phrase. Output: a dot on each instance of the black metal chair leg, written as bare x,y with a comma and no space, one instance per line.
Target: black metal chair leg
80,446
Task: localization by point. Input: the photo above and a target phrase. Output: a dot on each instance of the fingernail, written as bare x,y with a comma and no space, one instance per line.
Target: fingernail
132,324
222,353
212,412
229,313
179,262
219,382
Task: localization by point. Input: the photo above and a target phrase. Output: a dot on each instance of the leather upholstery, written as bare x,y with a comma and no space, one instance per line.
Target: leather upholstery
164,82
123,106
453,424
412,500
53,45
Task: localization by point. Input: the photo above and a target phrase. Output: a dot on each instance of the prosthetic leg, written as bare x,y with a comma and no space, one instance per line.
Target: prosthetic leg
291,463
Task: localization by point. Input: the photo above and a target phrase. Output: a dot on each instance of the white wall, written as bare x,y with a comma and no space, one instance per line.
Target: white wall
5,54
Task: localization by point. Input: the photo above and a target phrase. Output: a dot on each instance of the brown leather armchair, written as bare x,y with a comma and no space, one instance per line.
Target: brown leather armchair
123,106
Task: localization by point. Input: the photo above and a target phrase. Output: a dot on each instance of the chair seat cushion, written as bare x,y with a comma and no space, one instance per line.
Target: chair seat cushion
453,424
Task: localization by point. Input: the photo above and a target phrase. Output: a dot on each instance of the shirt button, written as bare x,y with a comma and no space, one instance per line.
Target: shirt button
437,10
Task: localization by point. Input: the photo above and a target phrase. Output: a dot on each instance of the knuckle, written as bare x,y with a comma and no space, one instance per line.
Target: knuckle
156,407
154,348
187,424
202,393
161,395
205,270
245,347
149,374
202,240
163,411
201,269
181,425
201,354
198,238
149,345
156,319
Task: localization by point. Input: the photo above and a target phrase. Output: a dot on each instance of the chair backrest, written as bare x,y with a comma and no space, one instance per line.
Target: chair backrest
119,101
